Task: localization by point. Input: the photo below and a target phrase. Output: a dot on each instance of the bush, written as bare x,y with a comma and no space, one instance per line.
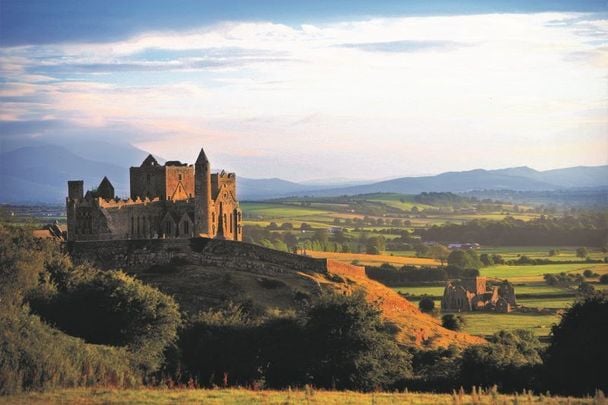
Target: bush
452,322
426,305
588,273
604,278
112,308
34,356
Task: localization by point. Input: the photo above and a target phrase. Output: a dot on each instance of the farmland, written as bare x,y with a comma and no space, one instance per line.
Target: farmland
375,229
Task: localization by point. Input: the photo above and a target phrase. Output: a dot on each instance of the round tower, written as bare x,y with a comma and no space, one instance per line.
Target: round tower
202,196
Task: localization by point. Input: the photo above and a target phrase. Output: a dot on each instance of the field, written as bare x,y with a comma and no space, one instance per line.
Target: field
242,396
374,260
530,291
486,323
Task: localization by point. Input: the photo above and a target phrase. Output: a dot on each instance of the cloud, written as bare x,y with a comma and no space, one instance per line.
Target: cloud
404,46
396,94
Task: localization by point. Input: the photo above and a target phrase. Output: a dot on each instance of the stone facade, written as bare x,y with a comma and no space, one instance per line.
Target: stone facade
473,295
174,200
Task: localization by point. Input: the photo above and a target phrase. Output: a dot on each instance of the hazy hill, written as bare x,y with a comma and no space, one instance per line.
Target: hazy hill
519,179
39,172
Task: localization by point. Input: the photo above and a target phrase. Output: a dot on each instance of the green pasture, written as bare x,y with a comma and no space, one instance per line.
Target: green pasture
418,291
269,210
539,252
548,302
529,273
487,323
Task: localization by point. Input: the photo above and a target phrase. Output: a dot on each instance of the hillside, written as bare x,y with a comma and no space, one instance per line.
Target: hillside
204,273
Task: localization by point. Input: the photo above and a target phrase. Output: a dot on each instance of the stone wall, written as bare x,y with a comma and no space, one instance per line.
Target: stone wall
141,254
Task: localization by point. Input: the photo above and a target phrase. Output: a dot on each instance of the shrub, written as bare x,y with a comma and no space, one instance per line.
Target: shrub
452,322
604,278
426,305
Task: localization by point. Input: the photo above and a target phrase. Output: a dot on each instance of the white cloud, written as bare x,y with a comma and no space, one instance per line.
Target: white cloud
401,95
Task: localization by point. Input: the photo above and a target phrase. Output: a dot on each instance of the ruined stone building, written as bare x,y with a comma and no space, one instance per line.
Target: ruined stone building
473,295
174,200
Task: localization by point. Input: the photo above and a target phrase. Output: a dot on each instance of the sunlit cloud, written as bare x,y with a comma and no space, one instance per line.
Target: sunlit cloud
400,96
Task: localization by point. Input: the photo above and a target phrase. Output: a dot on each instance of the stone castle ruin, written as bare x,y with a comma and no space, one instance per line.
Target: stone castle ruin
174,200
473,295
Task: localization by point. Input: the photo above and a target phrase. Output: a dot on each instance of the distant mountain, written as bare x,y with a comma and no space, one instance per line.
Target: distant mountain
579,176
253,189
450,181
38,173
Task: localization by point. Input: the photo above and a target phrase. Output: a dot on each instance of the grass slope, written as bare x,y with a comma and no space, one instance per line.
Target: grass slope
243,396
200,287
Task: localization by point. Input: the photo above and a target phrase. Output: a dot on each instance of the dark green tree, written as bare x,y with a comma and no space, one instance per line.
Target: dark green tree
350,347
582,252
576,360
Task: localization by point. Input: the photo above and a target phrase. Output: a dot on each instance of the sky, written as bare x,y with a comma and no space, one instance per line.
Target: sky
317,89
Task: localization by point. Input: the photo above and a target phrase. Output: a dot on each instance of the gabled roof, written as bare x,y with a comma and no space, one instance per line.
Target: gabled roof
105,183
149,161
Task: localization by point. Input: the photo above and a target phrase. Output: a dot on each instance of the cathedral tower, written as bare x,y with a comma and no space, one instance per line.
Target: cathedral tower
202,197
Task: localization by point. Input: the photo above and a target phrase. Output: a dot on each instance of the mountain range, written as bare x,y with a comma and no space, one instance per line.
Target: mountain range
38,173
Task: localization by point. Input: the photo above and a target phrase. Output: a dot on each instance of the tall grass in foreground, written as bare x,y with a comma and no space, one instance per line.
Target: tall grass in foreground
304,396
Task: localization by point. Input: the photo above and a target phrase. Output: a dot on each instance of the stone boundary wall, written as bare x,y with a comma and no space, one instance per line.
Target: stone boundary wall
141,254
334,266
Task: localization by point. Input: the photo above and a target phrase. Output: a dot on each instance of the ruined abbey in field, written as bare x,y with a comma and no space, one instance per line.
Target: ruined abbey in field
174,200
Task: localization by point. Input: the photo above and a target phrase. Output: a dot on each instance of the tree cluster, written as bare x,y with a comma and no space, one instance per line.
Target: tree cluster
589,229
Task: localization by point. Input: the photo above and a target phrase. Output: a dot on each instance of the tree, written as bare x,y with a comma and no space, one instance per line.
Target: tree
582,252
452,322
486,259
511,361
576,360
465,259
604,279
554,252
349,346
439,252
585,289
321,235
273,226
426,305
